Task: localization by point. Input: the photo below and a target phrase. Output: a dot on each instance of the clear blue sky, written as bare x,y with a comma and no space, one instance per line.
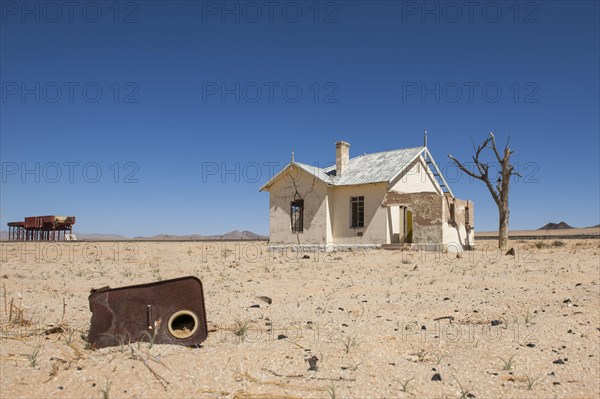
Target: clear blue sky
171,93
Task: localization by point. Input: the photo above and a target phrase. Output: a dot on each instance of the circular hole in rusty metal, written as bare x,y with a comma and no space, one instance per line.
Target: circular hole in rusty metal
183,324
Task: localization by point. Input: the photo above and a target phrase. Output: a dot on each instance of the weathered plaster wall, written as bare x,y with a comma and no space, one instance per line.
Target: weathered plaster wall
376,219
416,179
395,223
456,233
314,193
427,214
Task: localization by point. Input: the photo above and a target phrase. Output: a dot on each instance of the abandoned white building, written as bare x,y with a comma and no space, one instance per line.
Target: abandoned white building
392,198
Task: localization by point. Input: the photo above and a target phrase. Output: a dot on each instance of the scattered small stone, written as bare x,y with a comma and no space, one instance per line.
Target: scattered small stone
5,276
567,300
436,377
54,330
392,364
556,383
496,322
446,299
577,285
265,298
306,257
61,388
531,345
312,362
342,309
255,306
558,361
344,325
423,327
570,331
511,252
79,368
281,336
470,395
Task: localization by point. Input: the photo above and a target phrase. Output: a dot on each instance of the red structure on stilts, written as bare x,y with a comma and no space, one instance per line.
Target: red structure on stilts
41,228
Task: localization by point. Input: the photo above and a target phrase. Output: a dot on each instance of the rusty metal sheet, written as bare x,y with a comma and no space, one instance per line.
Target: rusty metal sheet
33,222
166,312
48,219
54,220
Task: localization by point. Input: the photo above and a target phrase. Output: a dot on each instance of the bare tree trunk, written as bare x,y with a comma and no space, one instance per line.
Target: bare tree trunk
503,227
500,191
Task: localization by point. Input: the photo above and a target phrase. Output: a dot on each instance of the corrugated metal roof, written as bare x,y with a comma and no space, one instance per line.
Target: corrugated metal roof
318,172
369,168
376,167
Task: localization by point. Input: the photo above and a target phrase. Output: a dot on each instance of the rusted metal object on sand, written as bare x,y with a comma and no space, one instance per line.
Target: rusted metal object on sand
164,312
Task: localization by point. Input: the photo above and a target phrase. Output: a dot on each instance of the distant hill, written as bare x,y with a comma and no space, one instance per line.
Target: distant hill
170,237
99,237
242,235
232,235
556,226
82,236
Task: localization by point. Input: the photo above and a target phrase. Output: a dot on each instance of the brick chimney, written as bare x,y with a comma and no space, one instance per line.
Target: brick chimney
342,156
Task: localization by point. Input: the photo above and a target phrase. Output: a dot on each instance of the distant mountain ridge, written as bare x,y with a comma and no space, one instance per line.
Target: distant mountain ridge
556,226
232,235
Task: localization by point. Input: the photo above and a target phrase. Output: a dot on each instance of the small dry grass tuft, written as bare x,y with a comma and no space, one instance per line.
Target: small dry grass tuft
241,329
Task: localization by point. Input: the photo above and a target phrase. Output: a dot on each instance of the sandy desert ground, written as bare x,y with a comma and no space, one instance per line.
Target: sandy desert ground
369,317
587,231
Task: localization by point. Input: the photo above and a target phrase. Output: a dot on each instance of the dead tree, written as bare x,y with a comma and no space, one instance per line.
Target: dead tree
500,190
